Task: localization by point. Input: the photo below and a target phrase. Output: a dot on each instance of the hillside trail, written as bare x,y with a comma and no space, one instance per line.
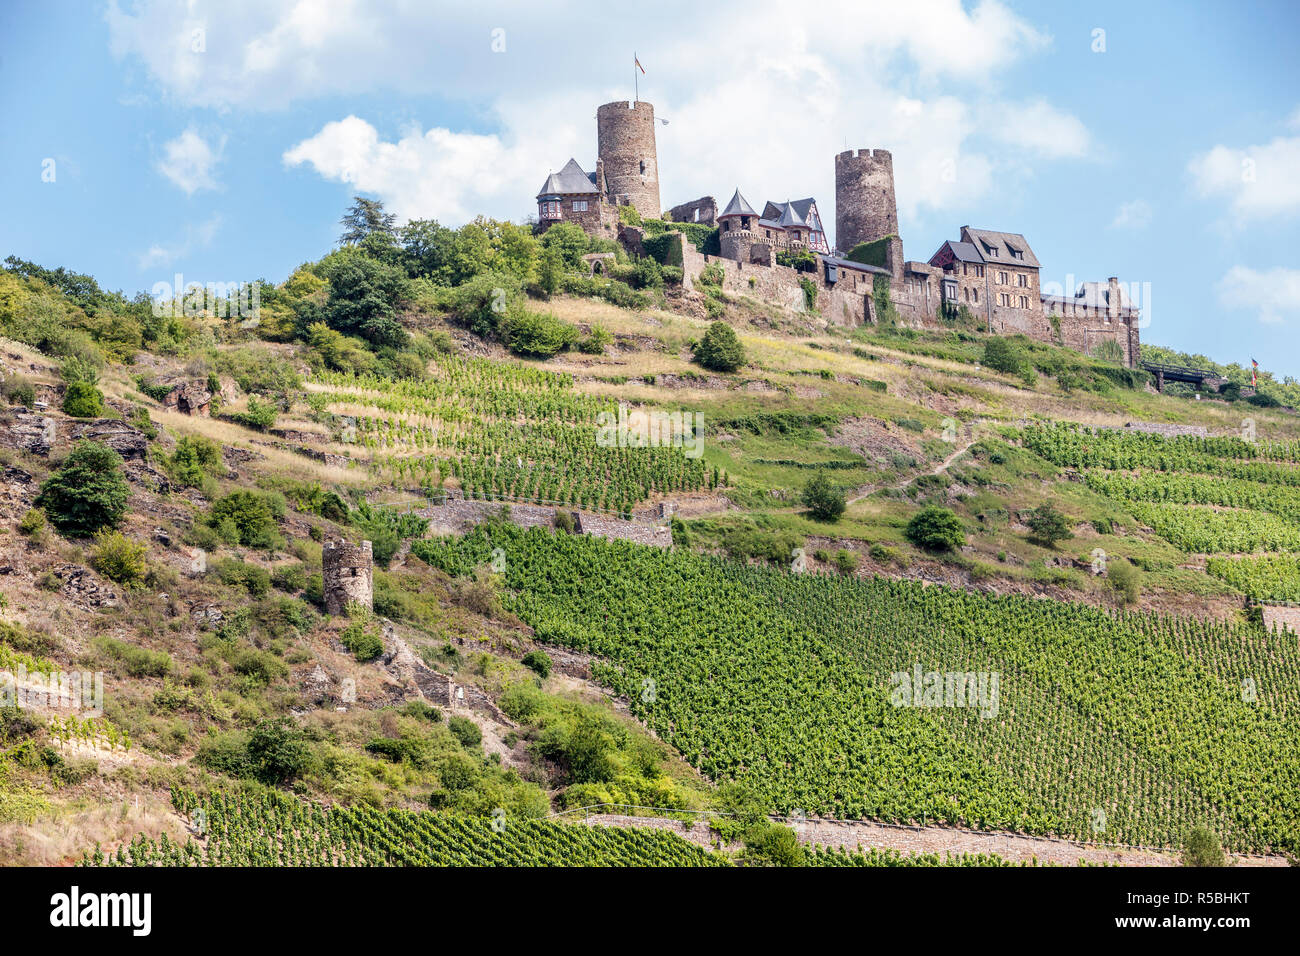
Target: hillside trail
937,470
861,834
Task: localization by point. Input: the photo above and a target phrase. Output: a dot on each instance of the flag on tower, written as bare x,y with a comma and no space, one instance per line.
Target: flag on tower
638,63
1254,373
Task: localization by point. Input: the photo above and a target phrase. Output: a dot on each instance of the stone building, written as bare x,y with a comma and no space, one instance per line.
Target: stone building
348,574
625,145
572,195
747,236
865,207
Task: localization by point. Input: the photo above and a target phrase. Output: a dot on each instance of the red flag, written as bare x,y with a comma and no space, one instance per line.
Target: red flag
638,63
1254,373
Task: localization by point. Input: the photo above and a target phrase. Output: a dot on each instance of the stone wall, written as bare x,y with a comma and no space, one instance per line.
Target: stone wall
1168,431
347,572
846,303
625,142
865,209
1282,616
703,210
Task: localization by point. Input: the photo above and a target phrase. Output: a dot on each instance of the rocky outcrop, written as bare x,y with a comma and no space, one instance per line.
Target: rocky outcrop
29,432
189,398
128,442
83,588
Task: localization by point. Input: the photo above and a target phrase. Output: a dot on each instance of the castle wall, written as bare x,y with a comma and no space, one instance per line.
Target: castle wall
347,572
847,303
865,209
625,141
703,210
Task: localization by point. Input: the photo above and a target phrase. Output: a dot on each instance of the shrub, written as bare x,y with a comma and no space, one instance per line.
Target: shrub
823,499
1202,848
563,521
538,661
770,844
537,334
846,561
83,400
1048,525
277,751
1002,355
1125,578
364,643
32,523
720,349
136,661
119,559
87,492
596,342
258,415
18,390
233,572
465,730
247,518
935,529
194,459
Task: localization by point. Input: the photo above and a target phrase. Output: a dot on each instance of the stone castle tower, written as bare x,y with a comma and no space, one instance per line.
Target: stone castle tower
348,574
628,162
865,209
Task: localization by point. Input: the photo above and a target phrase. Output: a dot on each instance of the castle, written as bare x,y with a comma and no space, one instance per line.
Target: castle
990,277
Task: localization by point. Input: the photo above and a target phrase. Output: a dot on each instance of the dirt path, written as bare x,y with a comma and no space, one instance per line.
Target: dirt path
942,840
937,470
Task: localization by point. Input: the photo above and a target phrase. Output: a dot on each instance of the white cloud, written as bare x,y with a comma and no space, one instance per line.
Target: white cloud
1273,294
196,237
1261,181
189,160
1132,215
765,111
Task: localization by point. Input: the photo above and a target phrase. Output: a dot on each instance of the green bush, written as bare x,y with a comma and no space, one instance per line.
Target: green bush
846,561
1203,848
1002,355
466,731
720,349
537,334
83,400
277,751
33,522
1048,525
935,529
1125,579
364,643
120,559
770,844
195,459
18,390
258,415
248,518
233,572
135,661
538,661
822,498
87,492
596,342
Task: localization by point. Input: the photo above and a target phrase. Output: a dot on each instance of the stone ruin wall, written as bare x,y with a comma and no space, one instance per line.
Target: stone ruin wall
1283,616
458,515
347,573
705,208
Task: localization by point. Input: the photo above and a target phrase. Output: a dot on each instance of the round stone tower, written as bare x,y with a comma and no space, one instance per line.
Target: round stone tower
864,197
348,574
625,144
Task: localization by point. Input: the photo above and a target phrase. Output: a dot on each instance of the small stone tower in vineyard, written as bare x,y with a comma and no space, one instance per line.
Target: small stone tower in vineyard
348,574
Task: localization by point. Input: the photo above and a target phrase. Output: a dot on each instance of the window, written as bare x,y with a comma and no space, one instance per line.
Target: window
550,209
768,233
580,205
989,251
1024,302
1022,280
979,271
1004,299
744,222
975,296
1002,278
643,167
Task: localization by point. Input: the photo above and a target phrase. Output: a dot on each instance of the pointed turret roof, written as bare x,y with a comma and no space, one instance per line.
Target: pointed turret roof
790,217
738,207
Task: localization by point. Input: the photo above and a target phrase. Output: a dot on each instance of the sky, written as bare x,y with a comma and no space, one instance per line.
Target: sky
222,139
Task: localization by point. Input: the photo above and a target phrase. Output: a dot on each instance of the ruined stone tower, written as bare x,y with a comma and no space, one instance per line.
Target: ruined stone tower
625,143
348,573
865,209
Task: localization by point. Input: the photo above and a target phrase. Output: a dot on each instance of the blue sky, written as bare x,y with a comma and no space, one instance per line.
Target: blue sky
223,140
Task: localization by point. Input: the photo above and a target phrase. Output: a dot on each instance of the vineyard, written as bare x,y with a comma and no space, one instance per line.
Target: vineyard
504,431
1109,727
1271,577
1203,495
274,829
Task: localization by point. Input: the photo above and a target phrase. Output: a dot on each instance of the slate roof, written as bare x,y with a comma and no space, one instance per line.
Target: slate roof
569,181
961,251
790,217
1096,295
851,264
738,207
1004,243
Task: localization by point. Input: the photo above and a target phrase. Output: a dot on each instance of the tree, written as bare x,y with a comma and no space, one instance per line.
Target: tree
365,217
88,491
1049,525
83,400
720,349
1002,355
363,297
823,499
1202,848
277,751
569,241
936,529
427,249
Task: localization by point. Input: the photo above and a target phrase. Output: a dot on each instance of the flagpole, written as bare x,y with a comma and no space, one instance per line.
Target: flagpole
636,80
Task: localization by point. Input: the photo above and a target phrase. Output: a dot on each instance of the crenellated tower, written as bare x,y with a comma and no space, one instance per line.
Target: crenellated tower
628,162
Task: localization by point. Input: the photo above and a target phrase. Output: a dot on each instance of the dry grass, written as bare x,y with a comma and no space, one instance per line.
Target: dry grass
60,836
